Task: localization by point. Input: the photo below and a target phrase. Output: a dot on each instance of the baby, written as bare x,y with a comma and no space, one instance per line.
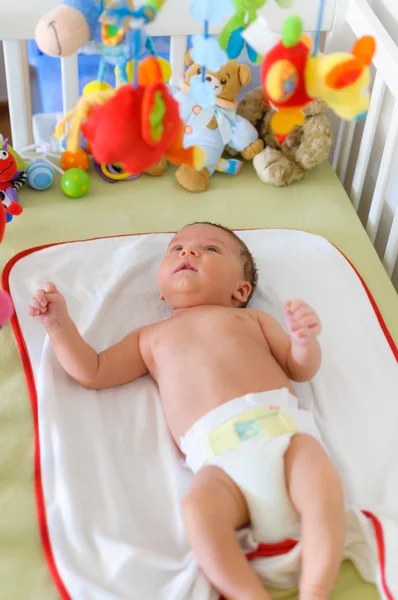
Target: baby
224,379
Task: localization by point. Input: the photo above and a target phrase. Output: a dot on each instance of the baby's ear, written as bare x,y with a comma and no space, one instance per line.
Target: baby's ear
188,58
245,75
243,292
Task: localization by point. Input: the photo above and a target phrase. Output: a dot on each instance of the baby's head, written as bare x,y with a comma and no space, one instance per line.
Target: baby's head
207,264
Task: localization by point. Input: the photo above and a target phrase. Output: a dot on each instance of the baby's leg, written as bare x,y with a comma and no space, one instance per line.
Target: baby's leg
316,491
212,511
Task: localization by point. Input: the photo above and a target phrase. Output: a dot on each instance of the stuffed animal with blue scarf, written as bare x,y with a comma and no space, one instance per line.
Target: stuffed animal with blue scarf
216,125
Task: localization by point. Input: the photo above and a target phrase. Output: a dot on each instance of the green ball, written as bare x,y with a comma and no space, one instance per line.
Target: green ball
75,183
292,31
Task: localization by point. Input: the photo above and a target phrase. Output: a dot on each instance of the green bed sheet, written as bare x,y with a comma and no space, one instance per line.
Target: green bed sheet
317,204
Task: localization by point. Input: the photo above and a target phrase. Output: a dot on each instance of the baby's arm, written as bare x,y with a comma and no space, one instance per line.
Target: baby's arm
299,354
118,364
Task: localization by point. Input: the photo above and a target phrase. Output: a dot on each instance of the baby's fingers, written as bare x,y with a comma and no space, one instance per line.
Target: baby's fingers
41,298
37,307
50,288
33,309
305,322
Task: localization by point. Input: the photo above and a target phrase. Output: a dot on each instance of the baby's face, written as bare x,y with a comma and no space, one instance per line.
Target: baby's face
203,266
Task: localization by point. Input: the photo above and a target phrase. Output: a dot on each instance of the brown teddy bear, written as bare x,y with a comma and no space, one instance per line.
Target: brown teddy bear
224,126
303,149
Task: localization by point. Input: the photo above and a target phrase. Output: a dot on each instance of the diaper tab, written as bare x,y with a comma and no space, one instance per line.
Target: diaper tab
264,421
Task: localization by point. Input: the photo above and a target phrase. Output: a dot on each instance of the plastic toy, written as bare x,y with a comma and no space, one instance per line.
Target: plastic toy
75,183
40,170
11,180
40,175
231,39
294,73
75,160
113,173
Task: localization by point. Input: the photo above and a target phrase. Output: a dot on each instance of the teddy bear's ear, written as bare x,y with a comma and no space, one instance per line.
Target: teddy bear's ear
245,75
188,58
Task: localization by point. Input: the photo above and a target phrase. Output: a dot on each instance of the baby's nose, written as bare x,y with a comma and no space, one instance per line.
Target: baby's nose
189,250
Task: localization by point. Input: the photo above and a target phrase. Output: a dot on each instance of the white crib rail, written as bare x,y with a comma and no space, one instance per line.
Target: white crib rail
18,90
362,21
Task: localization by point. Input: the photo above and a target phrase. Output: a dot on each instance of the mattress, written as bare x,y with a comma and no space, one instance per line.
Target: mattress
317,204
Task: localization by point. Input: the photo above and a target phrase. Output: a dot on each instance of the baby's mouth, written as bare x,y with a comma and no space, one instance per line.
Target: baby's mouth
185,266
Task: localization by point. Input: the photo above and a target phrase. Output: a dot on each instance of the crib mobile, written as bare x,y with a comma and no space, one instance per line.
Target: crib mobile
134,126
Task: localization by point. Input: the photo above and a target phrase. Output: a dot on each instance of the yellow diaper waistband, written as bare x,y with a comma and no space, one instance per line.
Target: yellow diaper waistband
264,421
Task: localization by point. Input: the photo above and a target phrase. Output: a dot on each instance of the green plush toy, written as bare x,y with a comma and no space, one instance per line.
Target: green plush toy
231,39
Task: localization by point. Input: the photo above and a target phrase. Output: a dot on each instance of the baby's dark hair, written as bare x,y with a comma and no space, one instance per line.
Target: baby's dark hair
250,271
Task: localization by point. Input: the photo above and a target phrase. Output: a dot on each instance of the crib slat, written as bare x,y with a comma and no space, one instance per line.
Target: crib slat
383,176
391,253
344,154
372,120
178,46
70,82
18,90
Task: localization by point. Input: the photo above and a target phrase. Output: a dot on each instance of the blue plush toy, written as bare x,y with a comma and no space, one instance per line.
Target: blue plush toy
215,124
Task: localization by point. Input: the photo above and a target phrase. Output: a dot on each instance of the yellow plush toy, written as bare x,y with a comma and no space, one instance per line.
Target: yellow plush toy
293,74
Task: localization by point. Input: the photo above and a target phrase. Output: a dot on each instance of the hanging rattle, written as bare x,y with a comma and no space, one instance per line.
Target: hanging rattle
294,73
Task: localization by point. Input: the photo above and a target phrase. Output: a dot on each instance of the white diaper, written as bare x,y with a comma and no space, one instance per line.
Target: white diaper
247,438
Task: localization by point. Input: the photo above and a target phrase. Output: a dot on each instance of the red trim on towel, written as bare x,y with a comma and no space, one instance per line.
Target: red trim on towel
40,503
382,323
263,550
381,550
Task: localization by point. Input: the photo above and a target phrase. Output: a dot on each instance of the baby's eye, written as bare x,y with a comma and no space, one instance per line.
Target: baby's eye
212,249
178,248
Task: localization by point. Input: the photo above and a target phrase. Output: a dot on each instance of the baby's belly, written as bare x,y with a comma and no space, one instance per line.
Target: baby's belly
190,392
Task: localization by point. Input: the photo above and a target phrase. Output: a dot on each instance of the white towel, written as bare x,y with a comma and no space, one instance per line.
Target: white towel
111,477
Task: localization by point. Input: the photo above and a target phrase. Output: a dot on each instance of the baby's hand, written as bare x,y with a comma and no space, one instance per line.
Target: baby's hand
48,306
302,322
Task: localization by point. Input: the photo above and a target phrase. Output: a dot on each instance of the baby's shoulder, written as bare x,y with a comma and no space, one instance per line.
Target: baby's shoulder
263,318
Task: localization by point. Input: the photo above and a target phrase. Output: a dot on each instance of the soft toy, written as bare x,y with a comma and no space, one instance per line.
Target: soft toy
219,127
305,147
231,38
137,126
11,180
294,73
6,307
74,23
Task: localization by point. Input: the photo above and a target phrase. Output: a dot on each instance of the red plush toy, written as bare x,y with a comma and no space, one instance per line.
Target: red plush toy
11,180
140,125
6,307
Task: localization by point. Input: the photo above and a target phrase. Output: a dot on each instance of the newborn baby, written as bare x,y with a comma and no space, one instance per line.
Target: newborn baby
223,372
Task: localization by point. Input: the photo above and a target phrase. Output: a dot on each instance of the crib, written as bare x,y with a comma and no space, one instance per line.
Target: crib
334,201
